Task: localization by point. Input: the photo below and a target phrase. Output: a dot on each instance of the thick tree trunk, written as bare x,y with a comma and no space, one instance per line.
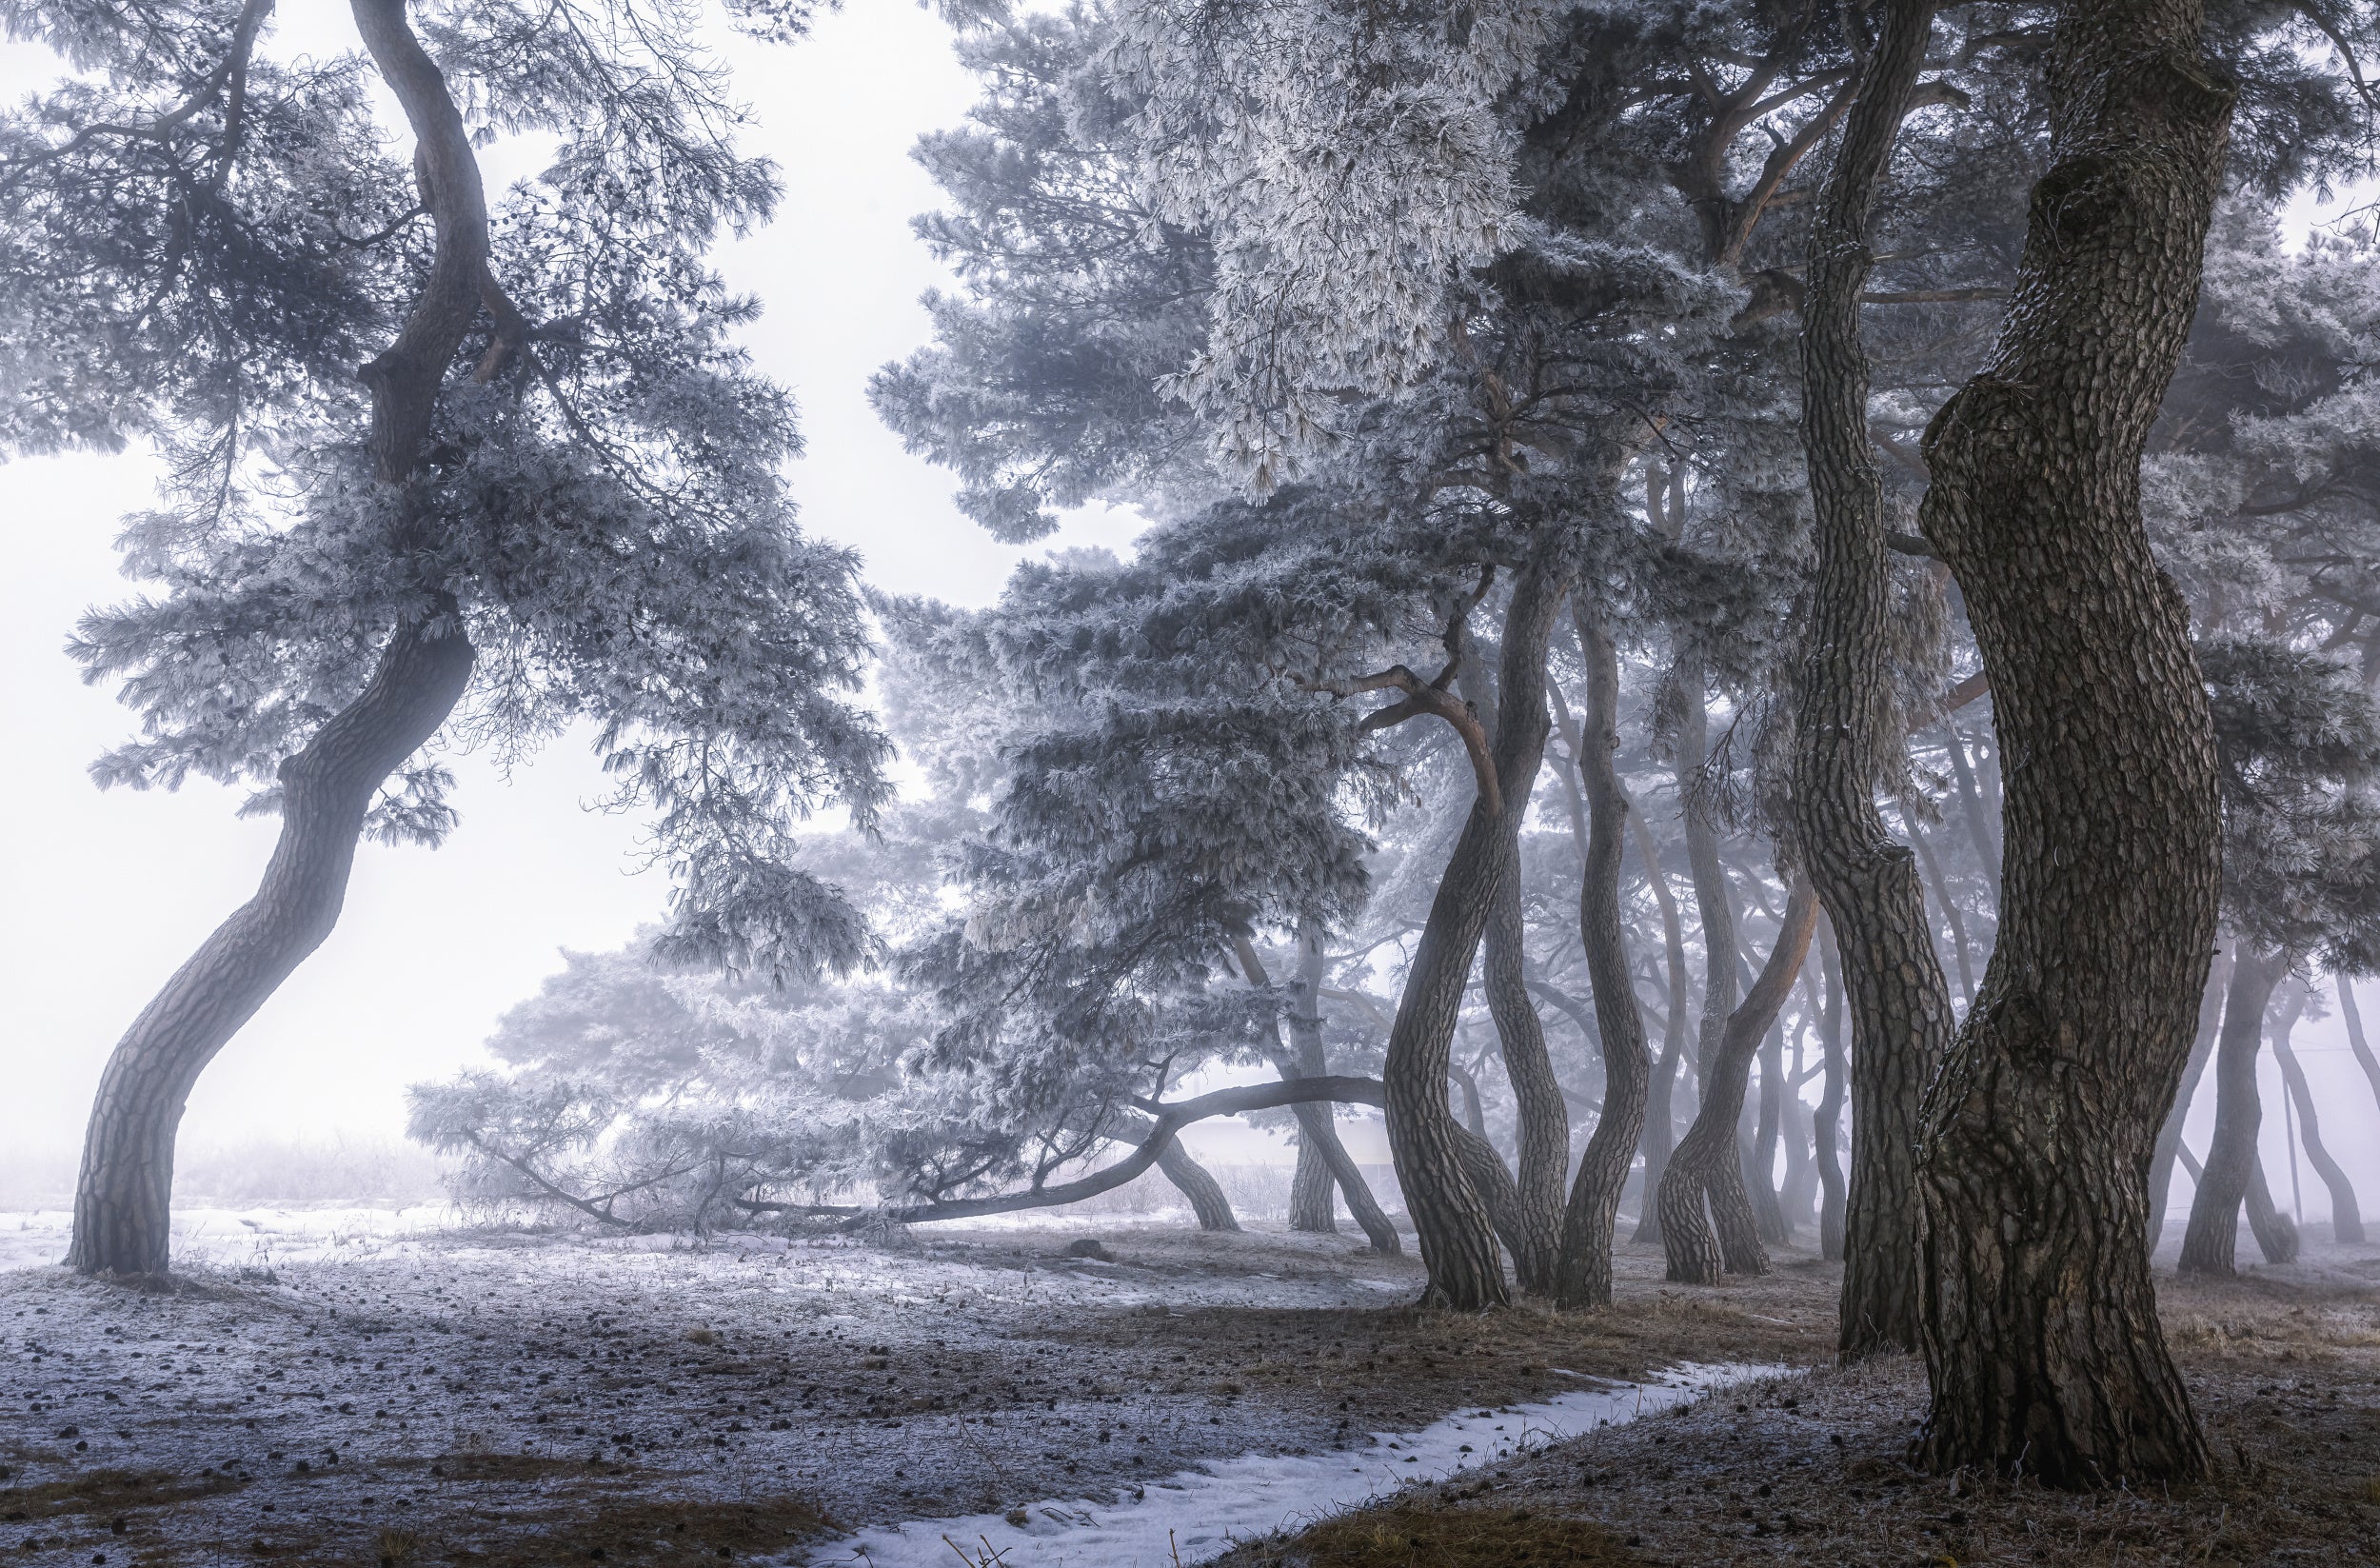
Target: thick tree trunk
2355,1040
2276,1232
1310,1190
1584,1277
1706,1155
1661,1115
1450,1220
2041,1331
2169,1135
1492,1180
1900,1010
2209,1243
123,1195
1306,1057
2346,1218
1827,1120
1312,1195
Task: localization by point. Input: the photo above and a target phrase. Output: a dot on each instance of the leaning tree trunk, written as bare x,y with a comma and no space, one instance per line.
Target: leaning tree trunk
1449,1221
1900,1010
1705,1157
2041,1331
2276,1232
1585,1278
1306,1057
2232,1165
2169,1142
1661,1115
123,1195
2346,1218
1828,1122
2355,1040
1195,1182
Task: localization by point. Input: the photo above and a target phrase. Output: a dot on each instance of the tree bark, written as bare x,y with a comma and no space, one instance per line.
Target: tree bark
1311,1208
2346,1219
1828,1122
2233,1166
1971,805
1541,1113
1584,1275
2041,1330
123,1192
1697,1172
1900,1010
2276,1232
2169,1143
1197,1183
1951,916
1449,1221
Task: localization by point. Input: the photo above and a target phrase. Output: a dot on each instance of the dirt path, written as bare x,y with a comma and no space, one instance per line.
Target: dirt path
530,1400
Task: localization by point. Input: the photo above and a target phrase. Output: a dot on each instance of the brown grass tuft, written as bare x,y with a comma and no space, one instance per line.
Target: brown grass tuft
1459,1538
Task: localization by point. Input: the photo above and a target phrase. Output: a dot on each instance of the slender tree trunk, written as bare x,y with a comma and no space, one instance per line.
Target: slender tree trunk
1951,914
1584,1276
2169,1135
123,1195
1474,1114
1829,1118
1768,1209
1979,816
1661,1116
2356,1040
2041,1331
1485,1168
2346,1218
1698,1170
2276,1232
2233,1166
1310,1205
1197,1183
1802,1171
1900,1010
1316,1128
1541,1113
1450,1220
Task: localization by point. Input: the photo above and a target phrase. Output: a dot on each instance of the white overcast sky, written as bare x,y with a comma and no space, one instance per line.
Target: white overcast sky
107,893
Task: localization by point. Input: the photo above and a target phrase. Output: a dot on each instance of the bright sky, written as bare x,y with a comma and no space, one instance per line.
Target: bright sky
111,892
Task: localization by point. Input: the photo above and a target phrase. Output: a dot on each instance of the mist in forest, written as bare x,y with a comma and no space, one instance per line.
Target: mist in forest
1335,784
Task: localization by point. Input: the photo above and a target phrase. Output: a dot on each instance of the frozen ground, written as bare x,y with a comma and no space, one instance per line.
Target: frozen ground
335,1388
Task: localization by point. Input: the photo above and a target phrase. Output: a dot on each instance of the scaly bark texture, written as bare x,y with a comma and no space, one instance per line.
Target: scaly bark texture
2347,1217
1450,1220
1584,1276
1700,1247
1541,1115
1827,1120
1900,1010
123,1194
1197,1183
2041,1326
1311,1189
2201,1052
2233,1166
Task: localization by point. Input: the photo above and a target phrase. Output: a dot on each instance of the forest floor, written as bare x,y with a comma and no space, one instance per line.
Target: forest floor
364,1393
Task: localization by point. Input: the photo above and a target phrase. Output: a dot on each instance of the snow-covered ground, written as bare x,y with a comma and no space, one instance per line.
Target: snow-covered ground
1198,1514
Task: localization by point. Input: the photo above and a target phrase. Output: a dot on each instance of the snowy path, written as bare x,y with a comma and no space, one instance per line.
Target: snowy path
1196,1515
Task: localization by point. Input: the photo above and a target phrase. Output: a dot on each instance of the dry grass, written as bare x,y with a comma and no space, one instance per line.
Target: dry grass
1450,1537
1814,1468
109,1491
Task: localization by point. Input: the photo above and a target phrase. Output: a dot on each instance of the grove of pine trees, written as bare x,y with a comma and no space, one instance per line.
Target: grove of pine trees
1756,619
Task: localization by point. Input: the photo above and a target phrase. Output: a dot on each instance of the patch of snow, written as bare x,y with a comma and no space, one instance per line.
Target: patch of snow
1196,1515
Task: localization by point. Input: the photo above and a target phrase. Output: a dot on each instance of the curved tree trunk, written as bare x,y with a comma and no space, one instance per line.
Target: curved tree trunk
1698,1170
1900,1010
1310,1205
123,1194
1584,1277
2041,1331
1661,1115
1827,1120
2168,1144
2356,1040
2276,1232
1196,1182
1492,1180
1541,1116
1950,913
2233,1166
1317,1130
1449,1221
